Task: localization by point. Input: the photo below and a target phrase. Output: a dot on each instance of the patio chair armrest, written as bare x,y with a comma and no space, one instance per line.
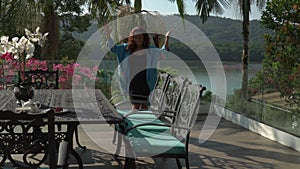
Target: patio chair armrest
183,128
142,112
167,113
116,96
125,101
144,124
121,103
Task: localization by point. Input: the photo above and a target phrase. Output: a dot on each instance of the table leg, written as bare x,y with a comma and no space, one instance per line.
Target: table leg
70,133
77,140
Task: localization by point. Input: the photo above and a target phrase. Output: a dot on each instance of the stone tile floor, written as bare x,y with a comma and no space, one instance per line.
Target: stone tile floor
230,147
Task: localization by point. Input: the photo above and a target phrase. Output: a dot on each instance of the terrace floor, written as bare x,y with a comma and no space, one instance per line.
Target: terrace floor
231,146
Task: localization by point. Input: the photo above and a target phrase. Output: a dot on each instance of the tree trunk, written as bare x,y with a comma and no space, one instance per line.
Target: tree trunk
51,23
245,56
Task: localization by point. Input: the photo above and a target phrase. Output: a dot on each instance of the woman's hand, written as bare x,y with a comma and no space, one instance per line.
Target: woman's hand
167,39
107,31
169,32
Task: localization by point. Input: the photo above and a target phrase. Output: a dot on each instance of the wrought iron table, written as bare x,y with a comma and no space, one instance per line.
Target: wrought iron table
74,107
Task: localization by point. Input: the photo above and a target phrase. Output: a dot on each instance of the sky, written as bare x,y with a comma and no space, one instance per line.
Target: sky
165,7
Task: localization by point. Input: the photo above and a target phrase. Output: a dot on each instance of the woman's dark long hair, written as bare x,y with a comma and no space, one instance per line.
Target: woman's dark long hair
135,31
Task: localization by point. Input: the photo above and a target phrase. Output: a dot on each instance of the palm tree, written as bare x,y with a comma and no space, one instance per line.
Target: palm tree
205,7
104,10
245,9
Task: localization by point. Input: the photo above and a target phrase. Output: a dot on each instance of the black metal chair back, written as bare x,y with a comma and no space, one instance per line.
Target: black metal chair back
157,94
188,110
172,97
41,79
30,135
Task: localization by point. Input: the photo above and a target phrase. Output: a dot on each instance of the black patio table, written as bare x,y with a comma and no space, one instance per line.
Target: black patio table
73,107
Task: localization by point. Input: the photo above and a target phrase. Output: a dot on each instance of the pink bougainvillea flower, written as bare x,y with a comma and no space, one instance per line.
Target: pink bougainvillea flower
95,69
86,71
68,69
7,56
58,67
76,79
75,65
43,65
62,79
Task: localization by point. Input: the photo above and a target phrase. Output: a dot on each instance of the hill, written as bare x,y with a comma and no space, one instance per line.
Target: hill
225,34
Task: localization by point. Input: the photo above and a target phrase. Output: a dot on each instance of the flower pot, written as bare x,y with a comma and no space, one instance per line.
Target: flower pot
23,92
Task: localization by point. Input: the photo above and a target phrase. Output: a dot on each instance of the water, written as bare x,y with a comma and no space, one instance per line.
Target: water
198,73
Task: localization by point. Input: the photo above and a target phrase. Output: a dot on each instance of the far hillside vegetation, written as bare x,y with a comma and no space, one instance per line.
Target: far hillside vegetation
225,34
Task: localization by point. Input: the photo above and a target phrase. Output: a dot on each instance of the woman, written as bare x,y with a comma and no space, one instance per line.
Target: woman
137,65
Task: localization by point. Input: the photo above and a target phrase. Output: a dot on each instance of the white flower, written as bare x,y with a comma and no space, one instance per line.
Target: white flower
4,40
20,46
43,39
23,40
28,56
24,45
2,49
16,57
14,40
12,49
28,34
29,49
36,36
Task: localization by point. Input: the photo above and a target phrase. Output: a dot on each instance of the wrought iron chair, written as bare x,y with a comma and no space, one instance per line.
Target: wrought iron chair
168,102
119,100
165,114
41,79
155,98
27,134
172,144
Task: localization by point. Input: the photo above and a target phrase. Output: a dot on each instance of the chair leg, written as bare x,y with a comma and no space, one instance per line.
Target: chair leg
77,139
187,164
129,163
115,135
129,155
178,163
119,143
119,130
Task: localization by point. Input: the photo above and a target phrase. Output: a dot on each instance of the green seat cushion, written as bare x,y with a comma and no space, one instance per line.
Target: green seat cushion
141,117
153,143
123,112
137,121
138,114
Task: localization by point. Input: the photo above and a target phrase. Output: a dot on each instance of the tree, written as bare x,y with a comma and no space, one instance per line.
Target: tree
47,14
17,15
205,7
281,66
245,9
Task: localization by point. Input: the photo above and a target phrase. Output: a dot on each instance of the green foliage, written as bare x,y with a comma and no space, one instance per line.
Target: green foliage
70,47
53,16
206,98
282,64
104,82
226,36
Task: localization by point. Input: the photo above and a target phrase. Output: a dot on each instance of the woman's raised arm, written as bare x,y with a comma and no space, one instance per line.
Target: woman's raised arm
166,44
